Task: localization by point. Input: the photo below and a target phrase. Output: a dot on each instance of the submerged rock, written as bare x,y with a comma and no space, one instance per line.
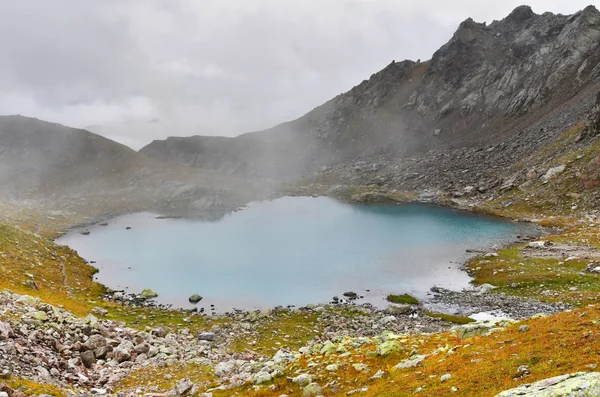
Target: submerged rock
195,298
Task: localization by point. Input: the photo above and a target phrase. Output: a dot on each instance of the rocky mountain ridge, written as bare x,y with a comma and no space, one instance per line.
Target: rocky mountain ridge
484,87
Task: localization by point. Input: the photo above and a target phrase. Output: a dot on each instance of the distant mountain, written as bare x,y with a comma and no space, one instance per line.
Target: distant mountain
50,163
483,87
50,157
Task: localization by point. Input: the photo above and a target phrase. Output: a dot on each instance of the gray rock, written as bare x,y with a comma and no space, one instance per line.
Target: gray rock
302,380
88,359
554,172
593,268
160,332
263,378
578,384
445,377
101,352
94,342
183,387
6,331
195,298
121,355
208,336
147,293
400,309
410,363
100,311
312,390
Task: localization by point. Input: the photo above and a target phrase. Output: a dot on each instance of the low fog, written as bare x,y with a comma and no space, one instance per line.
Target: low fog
138,70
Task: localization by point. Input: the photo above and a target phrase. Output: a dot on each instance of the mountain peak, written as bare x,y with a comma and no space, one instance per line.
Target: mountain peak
520,14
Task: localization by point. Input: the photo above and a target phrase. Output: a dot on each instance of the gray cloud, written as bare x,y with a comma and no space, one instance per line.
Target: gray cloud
137,70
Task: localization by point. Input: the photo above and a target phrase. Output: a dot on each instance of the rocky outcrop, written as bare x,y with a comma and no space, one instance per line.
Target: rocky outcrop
579,384
483,88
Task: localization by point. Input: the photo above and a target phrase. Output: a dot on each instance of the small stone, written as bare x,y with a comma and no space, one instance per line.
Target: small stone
302,380
100,311
160,332
183,387
410,363
208,336
522,371
312,390
524,328
378,375
40,316
445,377
263,378
360,367
332,368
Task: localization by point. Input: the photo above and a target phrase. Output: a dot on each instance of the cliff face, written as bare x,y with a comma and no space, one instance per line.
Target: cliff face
488,83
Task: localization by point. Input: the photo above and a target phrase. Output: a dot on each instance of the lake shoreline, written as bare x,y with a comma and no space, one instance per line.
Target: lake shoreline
466,257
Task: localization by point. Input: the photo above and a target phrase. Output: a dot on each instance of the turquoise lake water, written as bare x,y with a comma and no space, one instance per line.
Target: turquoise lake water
290,251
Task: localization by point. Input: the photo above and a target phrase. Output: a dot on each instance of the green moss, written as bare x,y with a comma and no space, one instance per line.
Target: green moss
450,318
403,299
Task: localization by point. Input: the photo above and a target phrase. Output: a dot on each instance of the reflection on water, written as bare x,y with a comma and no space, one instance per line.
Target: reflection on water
293,250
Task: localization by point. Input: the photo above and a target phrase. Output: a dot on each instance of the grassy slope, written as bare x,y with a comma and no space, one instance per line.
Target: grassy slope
482,366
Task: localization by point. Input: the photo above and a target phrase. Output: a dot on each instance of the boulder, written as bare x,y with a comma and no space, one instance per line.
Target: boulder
475,329
388,347
88,359
147,293
6,331
94,342
554,172
263,378
593,268
302,380
101,352
400,309
195,299
578,384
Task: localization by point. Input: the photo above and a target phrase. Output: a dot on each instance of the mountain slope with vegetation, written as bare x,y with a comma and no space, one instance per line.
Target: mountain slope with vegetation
504,119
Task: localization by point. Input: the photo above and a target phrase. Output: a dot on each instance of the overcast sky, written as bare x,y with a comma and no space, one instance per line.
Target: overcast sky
138,70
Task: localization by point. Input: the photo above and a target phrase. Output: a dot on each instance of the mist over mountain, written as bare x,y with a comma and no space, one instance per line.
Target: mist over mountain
483,87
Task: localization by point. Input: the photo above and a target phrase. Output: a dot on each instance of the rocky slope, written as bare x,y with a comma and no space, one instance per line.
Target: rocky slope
483,88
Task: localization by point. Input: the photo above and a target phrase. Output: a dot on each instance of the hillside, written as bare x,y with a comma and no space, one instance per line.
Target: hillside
483,88
76,173
503,120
